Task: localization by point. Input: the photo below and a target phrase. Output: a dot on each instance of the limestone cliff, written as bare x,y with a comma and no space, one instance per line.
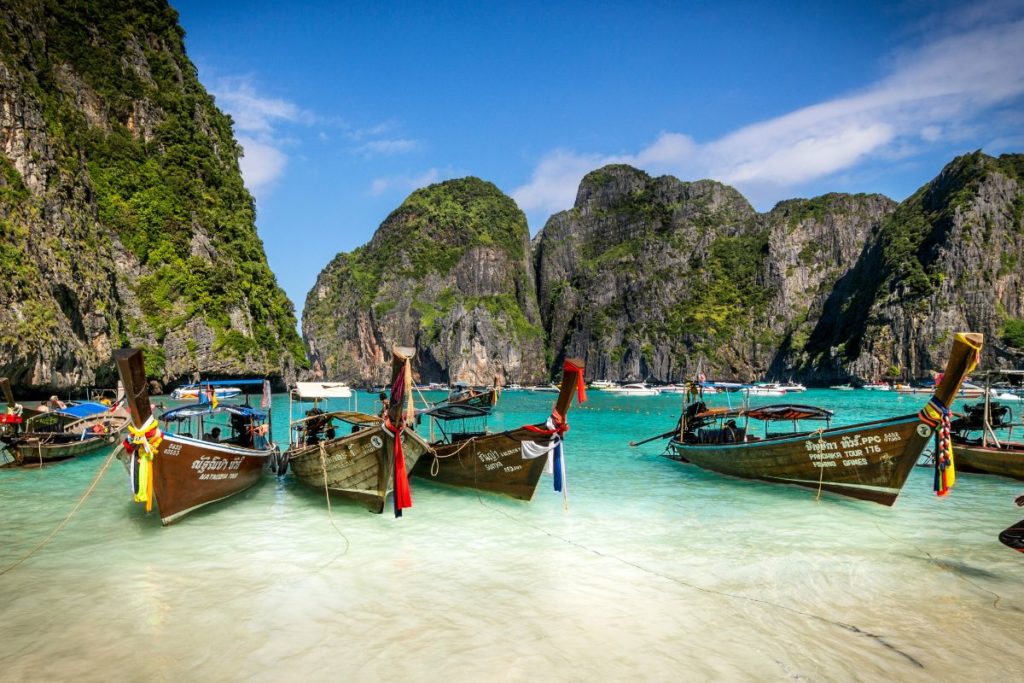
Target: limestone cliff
447,272
948,259
647,277
122,209
645,274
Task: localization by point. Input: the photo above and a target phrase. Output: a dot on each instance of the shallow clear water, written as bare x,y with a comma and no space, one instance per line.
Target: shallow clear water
657,571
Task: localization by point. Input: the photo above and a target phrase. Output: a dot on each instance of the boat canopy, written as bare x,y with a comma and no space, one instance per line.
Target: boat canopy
789,412
83,409
779,411
350,416
316,390
455,411
197,409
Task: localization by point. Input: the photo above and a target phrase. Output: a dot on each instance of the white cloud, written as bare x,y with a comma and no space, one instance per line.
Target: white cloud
408,183
258,122
931,93
261,163
386,147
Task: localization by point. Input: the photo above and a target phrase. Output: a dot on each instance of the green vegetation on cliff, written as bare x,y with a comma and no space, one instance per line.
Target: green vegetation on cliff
119,94
447,269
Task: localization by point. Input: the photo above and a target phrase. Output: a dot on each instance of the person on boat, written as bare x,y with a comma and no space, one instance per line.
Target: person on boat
56,404
329,434
384,404
213,435
259,437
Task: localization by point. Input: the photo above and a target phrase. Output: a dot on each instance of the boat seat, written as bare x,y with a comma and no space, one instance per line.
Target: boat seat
724,435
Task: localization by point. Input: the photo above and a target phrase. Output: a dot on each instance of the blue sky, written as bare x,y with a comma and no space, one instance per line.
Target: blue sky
344,108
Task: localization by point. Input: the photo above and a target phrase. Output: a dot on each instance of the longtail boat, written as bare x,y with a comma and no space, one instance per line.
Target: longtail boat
869,461
987,453
35,438
508,462
485,399
179,468
368,462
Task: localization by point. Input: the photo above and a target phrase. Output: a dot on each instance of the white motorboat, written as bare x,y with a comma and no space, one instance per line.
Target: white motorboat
601,385
765,390
635,389
877,386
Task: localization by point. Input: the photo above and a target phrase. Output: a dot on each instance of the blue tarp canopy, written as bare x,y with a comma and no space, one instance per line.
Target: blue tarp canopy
83,409
196,409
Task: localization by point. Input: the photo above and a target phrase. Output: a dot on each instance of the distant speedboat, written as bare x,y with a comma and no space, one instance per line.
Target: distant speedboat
907,389
841,387
793,387
549,389
635,389
765,390
512,387
968,390
602,384
190,392
877,386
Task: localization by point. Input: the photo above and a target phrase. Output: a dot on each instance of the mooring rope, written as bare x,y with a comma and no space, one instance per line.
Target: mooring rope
327,495
711,591
435,464
71,514
937,563
821,470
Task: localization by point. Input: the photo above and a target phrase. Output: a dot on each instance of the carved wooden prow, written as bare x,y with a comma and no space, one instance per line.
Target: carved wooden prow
5,386
400,409
132,369
568,389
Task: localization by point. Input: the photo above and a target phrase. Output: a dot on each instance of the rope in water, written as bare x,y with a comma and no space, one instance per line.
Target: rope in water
711,591
327,495
937,563
81,501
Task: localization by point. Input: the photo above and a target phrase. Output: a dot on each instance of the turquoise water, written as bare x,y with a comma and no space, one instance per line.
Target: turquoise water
656,571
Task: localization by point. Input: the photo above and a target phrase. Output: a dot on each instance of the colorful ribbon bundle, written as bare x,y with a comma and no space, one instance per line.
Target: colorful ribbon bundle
148,437
937,416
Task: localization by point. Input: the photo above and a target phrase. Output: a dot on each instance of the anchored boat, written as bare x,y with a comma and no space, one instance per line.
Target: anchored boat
987,453
364,462
205,452
508,462
79,428
869,461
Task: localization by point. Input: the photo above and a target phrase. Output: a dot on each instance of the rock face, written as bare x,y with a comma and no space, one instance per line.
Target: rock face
949,258
649,278
644,274
123,213
447,272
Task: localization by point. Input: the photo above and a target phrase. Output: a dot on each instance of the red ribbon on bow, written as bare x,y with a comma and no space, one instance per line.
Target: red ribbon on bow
561,426
403,494
581,389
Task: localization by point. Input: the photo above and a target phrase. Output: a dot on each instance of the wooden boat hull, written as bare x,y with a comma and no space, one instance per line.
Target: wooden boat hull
492,463
868,461
358,466
189,473
37,448
33,450
1007,461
